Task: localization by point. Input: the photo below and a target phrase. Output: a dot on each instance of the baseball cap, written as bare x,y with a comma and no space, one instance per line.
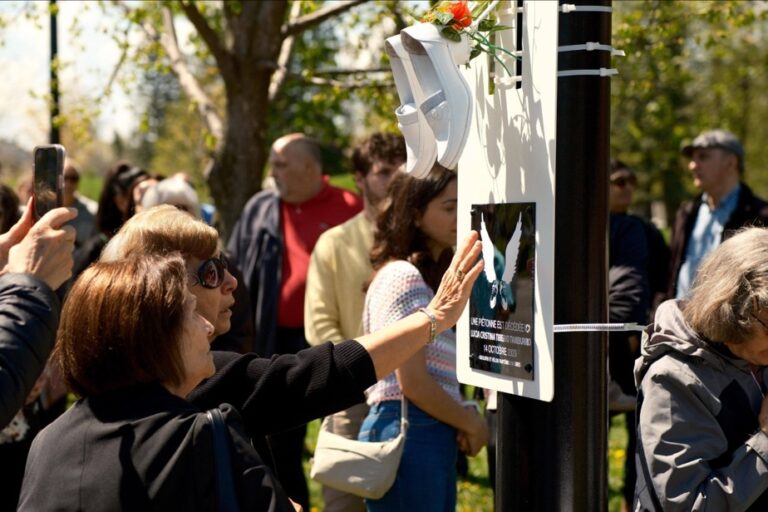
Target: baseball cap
716,139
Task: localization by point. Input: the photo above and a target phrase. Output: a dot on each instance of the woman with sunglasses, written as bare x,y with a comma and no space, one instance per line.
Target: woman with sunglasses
703,412
291,389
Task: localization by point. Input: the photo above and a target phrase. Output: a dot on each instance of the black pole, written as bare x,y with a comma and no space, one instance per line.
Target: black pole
552,456
55,137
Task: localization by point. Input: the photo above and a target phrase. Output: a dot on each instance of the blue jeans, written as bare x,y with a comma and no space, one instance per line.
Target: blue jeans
426,478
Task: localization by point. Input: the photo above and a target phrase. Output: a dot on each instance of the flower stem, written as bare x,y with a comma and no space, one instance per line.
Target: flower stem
491,50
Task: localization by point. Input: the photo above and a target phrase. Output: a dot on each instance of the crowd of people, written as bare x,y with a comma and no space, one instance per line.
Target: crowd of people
327,303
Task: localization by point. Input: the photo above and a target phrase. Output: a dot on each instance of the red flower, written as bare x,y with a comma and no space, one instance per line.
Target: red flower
461,14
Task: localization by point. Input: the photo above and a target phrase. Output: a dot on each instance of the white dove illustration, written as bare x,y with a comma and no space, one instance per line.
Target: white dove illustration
510,258
488,267
510,254
510,261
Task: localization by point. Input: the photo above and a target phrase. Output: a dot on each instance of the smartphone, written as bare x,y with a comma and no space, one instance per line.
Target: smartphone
49,177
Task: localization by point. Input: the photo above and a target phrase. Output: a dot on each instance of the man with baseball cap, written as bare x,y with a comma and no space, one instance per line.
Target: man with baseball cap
725,205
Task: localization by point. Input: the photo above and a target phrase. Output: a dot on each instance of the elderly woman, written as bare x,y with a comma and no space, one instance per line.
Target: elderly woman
703,415
132,345
271,394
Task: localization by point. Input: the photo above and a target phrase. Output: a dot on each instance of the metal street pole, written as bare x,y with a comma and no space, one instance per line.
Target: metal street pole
55,137
552,456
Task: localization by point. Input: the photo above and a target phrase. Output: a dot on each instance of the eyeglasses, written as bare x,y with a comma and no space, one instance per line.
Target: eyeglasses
623,181
71,179
761,322
210,273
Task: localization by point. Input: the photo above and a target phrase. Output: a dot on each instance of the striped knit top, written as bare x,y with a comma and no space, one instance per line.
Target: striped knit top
397,291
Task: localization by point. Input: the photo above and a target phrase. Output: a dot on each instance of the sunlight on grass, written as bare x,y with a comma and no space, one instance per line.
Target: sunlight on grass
617,444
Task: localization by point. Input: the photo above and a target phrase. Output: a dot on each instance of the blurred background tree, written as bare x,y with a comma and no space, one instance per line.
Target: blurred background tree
219,81
690,66
254,71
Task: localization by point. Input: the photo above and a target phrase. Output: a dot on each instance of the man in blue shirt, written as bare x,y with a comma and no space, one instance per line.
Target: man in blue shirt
725,205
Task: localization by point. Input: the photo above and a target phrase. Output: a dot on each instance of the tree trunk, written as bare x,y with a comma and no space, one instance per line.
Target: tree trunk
239,161
237,170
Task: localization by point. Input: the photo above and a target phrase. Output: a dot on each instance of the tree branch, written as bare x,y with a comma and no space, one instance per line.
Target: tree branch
188,82
351,84
205,31
286,51
120,62
326,72
304,22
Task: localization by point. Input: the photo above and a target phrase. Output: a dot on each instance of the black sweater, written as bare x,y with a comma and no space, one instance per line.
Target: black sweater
145,449
287,390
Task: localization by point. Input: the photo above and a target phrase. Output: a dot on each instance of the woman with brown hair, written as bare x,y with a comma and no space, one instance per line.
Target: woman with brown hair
413,245
135,360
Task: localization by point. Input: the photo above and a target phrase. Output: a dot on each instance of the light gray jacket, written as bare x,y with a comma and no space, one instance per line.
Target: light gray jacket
699,446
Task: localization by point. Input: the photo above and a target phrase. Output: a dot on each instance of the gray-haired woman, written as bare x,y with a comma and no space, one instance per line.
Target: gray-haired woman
703,415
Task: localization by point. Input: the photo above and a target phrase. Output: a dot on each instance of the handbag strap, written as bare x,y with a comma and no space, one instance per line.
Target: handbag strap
403,416
226,498
403,413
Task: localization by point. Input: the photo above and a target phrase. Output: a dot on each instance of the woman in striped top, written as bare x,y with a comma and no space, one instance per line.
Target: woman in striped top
413,246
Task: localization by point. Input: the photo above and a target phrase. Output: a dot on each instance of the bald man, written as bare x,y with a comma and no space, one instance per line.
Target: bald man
272,243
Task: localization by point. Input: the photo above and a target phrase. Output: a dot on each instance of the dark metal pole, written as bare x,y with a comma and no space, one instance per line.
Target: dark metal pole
552,456
55,137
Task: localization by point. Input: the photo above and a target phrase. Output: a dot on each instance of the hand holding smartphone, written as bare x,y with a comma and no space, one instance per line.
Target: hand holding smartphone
49,178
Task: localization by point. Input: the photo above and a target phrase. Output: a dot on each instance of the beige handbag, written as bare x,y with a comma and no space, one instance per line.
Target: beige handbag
358,467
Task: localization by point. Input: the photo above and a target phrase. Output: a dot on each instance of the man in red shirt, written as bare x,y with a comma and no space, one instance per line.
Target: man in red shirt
271,244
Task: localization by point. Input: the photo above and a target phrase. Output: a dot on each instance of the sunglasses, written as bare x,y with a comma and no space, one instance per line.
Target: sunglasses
210,273
623,181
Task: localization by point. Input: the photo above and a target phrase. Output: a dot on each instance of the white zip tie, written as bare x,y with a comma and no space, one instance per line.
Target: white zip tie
631,326
589,72
507,80
566,8
588,47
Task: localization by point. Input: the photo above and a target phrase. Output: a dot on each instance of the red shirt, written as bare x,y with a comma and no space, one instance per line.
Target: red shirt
302,225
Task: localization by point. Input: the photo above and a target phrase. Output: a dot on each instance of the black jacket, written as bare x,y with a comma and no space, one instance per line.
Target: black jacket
288,390
29,315
141,449
256,248
145,449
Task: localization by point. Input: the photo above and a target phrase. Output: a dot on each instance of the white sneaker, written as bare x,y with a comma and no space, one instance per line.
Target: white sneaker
447,104
420,146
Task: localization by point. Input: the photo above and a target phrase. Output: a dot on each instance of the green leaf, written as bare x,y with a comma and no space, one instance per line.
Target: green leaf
451,34
444,18
486,25
499,28
474,53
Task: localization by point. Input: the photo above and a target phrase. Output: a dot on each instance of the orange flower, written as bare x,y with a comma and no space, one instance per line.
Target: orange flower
461,15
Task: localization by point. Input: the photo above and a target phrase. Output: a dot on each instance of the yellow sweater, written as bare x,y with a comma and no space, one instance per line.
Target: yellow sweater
338,269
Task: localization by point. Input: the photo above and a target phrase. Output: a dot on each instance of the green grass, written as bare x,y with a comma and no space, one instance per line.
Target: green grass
346,181
473,492
617,444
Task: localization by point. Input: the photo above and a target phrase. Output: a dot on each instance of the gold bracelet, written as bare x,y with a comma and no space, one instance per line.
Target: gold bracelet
432,326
